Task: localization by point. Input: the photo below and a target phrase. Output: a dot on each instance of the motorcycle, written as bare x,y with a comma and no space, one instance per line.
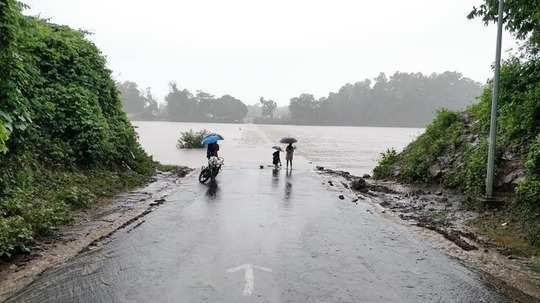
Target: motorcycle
212,170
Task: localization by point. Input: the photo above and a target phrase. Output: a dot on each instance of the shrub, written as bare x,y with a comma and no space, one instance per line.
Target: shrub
191,139
532,165
76,196
15,236
528,203
385,168
414,162
471,173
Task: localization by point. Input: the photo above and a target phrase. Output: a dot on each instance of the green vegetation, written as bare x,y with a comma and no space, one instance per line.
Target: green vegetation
64,139
191,139
453,150
385,167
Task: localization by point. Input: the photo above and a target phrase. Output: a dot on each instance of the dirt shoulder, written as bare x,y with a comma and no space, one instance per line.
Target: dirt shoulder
442,217
126,210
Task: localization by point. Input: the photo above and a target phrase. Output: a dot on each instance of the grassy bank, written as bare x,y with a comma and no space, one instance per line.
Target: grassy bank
64,138
38,209
453,150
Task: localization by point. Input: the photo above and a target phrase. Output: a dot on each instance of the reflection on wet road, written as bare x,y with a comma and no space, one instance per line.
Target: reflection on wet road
259,235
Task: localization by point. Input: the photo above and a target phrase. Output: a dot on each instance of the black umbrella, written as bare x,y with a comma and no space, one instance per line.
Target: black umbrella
288,140
277,148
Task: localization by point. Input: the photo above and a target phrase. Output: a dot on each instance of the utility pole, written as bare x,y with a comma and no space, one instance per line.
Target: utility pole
493,120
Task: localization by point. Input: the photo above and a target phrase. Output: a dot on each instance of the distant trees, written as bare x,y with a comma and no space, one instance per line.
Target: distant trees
304,108
268,107
181,105
137,103
405,99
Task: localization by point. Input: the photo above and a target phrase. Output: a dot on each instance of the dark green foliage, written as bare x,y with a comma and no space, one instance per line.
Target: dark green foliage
532,165
472,172
413,164
14,115
528,203
518,106
385,167
61,123
528,194
191,139
15,235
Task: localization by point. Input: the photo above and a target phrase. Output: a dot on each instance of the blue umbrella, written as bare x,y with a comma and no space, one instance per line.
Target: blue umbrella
211,138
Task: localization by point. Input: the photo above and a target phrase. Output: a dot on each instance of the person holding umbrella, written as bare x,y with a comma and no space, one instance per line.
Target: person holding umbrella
289,154
212,148
289,151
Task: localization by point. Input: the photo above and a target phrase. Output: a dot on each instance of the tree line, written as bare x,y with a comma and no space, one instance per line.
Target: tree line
180,105
403,99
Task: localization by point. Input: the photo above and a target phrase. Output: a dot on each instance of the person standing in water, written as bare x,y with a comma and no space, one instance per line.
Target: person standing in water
289,154
276,160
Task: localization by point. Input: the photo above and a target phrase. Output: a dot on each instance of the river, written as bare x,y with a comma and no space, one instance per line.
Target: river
355,149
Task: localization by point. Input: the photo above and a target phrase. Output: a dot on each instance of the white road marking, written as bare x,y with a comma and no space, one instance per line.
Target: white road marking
248,276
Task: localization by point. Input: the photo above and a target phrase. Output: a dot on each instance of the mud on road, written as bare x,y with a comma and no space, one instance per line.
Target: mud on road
443,218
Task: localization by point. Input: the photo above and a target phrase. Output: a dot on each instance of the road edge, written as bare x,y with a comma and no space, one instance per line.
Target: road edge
89,227
499,276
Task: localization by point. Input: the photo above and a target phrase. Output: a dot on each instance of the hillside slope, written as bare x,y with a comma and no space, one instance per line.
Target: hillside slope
64,139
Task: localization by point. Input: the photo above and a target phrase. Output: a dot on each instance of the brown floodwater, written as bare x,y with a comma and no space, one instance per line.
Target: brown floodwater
355,149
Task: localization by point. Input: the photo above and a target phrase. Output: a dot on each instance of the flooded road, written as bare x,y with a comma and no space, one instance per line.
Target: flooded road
261,235
354,149
309,246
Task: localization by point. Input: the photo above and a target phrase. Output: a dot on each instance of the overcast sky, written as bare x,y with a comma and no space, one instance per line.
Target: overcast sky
280,48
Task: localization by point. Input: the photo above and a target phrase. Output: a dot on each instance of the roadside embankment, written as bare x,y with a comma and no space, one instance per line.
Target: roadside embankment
65,140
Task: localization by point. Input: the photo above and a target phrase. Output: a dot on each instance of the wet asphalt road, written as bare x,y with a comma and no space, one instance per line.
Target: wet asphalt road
304,243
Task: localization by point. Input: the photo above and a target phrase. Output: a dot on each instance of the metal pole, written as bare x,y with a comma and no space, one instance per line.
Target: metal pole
493,120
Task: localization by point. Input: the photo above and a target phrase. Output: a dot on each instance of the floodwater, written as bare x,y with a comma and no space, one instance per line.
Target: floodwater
355,149
262,235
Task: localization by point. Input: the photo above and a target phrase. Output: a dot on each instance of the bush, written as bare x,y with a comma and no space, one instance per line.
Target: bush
385,168
15,236
532,165
191,139
76,196
414,162
528,203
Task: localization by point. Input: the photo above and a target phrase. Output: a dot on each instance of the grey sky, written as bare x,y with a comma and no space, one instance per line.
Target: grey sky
280,48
